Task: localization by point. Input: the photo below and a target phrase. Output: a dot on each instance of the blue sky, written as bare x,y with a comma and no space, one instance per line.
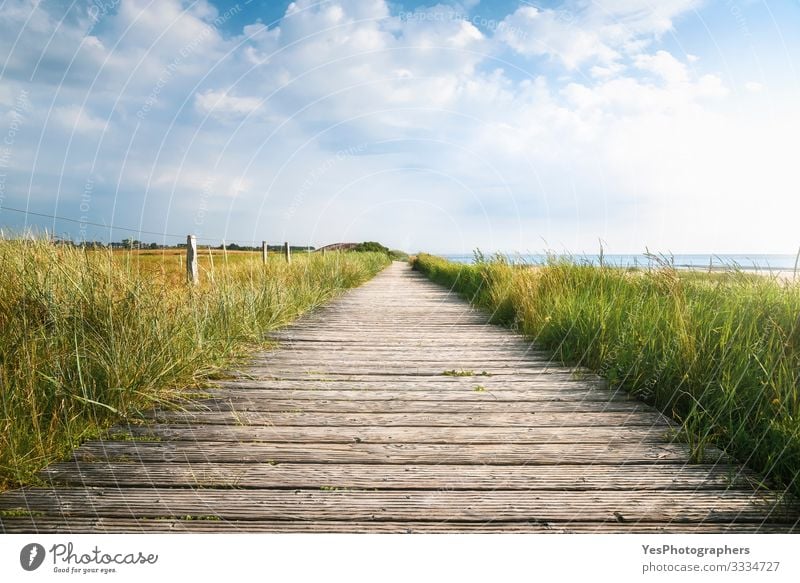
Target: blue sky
504,125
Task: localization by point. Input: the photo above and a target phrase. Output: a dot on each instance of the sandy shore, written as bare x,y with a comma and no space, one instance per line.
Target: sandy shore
787,275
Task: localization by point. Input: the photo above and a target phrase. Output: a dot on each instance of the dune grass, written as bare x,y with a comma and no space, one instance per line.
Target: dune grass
720,353
87,337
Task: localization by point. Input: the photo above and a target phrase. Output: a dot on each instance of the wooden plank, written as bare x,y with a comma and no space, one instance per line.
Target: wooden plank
713,506
376,370
389,343
440,384
388,453
474,419
388,340
383,377
438,365
446,350
206,524
367,434
414,330
252,403
466,393
425,323
656,477
447,361
337,356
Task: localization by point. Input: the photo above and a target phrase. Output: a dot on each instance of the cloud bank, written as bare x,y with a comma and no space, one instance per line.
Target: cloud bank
442,127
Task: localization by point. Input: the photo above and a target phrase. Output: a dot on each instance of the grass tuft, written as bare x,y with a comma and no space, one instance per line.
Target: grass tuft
458,373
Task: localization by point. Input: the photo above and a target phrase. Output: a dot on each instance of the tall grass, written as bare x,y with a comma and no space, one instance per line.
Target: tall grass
720,353
89,336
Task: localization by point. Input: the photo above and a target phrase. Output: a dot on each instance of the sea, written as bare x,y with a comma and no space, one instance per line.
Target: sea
744,262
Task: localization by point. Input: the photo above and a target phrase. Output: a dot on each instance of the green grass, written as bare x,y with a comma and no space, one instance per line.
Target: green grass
465,373
19,513
721,354
89,337
458,373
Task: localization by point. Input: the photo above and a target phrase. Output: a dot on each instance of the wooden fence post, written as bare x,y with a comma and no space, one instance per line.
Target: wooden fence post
796,262
287,252
211,263
192,272
264,252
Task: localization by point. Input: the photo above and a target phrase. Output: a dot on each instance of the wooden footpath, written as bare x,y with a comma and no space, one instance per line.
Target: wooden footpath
353,425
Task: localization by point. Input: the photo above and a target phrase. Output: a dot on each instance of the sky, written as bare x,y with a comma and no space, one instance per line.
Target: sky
503,125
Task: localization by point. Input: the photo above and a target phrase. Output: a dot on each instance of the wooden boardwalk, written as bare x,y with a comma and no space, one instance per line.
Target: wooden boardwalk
351,425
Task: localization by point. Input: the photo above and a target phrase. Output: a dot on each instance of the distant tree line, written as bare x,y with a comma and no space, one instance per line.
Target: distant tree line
137,244
366,246
375,247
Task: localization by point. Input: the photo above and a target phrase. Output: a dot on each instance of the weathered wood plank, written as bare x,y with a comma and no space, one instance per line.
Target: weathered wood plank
474,419
251,403
396,380
655,477
397,505
200,524
475,393
388,453
413,373
443,352
442,384
368,434
433,366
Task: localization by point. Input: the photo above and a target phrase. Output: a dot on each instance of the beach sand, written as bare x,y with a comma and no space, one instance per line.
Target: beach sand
784,275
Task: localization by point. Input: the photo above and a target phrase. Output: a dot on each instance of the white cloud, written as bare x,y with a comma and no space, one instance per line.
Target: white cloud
641,17
604,72
665,66
600,32
673,89
237,187
531,31
754,86
222,105
76,118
